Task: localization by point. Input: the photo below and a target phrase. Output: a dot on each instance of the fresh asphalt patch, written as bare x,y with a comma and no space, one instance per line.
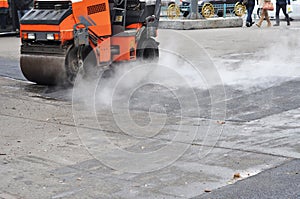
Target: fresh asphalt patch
241,106
280,182
10,68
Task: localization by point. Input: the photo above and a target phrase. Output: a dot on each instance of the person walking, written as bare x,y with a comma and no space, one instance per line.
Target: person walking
250,7
281,4
23,6
3,13
264,14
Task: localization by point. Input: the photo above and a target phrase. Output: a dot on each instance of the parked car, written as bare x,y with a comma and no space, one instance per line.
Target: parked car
218,7
169,2
185,7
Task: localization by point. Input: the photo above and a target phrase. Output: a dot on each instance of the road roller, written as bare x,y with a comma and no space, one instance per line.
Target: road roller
59,38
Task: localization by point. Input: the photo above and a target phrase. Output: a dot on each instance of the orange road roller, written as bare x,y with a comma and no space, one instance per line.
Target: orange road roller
60,37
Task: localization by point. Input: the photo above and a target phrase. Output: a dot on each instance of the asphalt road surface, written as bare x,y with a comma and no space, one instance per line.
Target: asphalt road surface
216,117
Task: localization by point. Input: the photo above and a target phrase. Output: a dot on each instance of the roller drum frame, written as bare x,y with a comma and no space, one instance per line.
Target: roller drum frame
43,69
44,65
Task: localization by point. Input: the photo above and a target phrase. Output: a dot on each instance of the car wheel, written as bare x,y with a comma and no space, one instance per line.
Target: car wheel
185,14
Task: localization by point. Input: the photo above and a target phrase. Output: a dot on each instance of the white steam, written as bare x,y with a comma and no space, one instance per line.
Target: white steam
171,72
277,63
264,68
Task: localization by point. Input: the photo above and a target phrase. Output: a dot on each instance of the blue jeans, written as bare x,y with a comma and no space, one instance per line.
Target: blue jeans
250,9
3,21
21,13
283,7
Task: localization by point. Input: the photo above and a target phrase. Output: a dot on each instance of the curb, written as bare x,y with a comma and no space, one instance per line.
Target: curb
185,24
8,34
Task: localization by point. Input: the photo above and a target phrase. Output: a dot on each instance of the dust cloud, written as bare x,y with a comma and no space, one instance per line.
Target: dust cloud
267,67
250,72
170,73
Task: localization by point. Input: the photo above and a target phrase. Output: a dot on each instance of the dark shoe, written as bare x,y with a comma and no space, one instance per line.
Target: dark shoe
248,24
288,23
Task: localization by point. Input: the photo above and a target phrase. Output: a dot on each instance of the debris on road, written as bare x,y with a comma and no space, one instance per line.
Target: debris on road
220,122
236,175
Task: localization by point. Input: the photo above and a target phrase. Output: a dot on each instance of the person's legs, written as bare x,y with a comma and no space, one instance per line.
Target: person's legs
262,16
248,20
277,14
24,12
268,18
3,21
250,9
285,14
19,14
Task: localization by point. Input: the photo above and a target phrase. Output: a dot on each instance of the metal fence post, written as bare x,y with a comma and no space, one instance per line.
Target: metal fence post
194,10
224,10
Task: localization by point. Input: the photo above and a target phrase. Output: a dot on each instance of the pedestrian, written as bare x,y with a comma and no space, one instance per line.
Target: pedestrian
264,13
14,16
250,7
23,6
282,4
3,13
